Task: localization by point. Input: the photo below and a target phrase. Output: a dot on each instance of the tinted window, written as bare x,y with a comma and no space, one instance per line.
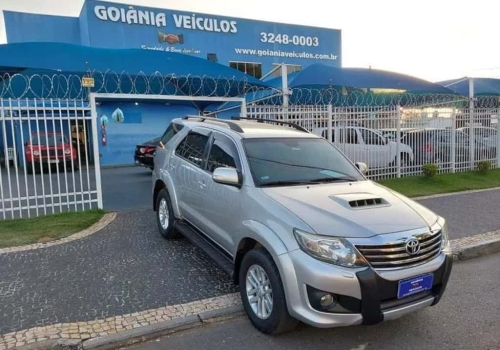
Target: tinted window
444,137
349,136
485,132
170,132
296,159
371,138
192,148
49,139
461,138
223,153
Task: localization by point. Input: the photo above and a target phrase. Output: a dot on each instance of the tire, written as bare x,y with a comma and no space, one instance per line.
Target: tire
68,166
279,320
167,229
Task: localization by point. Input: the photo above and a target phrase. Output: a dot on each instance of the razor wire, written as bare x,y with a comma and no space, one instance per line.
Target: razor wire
59,85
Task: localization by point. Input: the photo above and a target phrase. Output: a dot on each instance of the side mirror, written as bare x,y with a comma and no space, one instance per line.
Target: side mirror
227,176
362,167
26,144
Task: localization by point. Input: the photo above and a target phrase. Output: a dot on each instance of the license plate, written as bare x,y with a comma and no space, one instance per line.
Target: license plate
415,285
53,161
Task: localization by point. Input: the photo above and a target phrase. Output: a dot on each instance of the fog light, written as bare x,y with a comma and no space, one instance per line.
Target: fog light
328,301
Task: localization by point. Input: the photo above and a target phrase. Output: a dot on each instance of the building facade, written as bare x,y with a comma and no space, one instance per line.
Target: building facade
251,46
254,47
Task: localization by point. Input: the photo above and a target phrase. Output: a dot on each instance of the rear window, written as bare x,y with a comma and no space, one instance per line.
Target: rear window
172,129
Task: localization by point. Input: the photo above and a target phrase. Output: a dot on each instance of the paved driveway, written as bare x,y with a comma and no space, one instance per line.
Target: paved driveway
126,267
126,188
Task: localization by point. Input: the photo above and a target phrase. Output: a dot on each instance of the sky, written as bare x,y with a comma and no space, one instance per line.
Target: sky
430,39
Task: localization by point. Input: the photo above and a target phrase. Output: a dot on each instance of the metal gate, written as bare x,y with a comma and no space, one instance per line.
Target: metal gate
48,151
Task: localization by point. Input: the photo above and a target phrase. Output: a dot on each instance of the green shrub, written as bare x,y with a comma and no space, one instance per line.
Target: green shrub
430,169
483,166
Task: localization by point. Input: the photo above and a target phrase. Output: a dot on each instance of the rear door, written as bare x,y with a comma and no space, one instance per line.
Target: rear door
188,163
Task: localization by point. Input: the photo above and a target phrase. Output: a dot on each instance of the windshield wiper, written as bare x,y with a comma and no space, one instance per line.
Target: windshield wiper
291,183
335,179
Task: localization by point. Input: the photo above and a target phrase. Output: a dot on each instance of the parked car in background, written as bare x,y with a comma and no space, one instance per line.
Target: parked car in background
434,145
144,153
366,145
50,148
304,234
391,133
485,137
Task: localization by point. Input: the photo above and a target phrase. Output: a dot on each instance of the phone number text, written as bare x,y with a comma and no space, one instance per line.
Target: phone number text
298,40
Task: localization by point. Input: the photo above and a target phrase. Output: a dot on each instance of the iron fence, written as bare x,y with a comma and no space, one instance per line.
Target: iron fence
47,158
49,135
398,141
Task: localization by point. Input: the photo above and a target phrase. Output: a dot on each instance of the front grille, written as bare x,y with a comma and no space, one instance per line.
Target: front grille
395,255
52,153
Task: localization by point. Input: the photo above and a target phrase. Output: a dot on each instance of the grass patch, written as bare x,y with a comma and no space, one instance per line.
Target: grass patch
47,228
445,183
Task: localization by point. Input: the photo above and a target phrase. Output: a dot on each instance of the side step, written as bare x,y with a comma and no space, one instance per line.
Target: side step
197,239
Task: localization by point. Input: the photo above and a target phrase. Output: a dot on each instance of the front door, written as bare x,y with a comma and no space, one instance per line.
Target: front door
377,149
220,206
349,142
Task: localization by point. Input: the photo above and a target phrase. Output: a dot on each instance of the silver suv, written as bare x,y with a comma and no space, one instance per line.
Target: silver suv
301,230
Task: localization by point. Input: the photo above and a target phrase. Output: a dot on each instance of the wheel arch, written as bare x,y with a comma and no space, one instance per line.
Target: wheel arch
258,235
168,186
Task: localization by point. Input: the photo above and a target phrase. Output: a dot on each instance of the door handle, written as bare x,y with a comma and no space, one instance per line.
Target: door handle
202,183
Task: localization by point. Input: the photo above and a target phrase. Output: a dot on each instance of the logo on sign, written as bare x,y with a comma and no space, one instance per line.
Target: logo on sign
413,246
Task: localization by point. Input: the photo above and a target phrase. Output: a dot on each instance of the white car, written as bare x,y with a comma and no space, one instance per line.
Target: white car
366,145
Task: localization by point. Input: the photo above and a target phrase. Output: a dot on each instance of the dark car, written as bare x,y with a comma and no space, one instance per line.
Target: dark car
434,146
144,153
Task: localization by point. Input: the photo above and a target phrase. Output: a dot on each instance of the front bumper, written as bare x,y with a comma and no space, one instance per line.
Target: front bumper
365,296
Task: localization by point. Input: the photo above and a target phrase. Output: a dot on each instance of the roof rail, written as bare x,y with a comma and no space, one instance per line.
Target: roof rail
232,126
261,120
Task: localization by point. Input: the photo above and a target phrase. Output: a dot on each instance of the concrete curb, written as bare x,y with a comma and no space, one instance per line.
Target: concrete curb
146,333
476,246
449,194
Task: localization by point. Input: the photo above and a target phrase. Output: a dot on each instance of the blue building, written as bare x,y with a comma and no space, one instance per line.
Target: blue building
251,46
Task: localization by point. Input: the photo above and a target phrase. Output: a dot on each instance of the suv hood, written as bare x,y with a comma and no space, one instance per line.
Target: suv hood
356,209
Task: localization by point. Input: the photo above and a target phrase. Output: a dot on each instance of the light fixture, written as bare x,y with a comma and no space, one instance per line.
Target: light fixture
137,103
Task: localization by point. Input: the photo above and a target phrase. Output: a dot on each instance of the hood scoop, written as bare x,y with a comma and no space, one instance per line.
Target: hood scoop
366,202
359,200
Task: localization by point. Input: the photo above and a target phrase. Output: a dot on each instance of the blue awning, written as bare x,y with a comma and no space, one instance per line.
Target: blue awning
482,86
121,70
318,75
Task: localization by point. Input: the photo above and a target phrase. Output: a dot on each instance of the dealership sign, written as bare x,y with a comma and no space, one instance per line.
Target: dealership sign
159,19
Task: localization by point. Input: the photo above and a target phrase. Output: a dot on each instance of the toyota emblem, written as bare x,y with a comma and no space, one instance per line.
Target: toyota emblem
413,246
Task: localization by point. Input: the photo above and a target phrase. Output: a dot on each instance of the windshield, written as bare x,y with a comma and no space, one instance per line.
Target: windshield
48,140
288,160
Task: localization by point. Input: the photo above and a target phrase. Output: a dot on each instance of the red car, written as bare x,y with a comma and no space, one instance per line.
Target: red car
50,148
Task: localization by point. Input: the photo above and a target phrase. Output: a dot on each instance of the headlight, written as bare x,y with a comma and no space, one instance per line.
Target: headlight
333,250
36,153
442,224
444,231
67,151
